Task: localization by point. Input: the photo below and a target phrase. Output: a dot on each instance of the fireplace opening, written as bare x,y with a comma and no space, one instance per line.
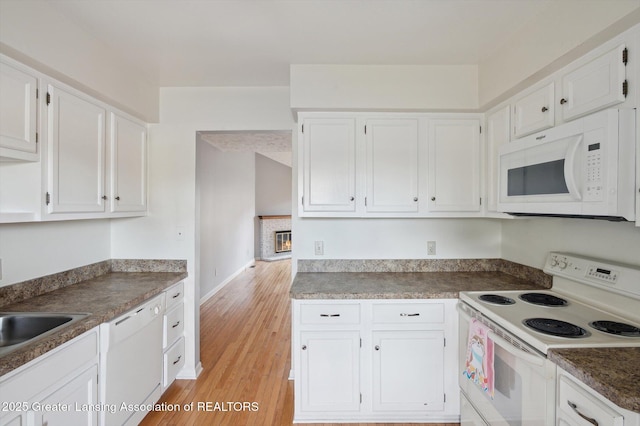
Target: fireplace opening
283,241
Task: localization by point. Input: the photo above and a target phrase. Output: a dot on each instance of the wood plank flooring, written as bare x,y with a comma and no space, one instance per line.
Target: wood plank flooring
246,355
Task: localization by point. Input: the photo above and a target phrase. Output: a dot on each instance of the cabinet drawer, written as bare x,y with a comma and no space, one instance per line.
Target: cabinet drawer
175,295
173,325
330,313
173,362
576,404
408,313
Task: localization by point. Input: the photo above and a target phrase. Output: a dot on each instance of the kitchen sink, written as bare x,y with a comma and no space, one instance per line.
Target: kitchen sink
18,328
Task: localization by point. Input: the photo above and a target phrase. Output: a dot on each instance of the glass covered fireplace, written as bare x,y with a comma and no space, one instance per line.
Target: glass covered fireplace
283,241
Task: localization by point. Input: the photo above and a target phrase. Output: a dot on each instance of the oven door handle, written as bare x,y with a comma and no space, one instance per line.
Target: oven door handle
518,353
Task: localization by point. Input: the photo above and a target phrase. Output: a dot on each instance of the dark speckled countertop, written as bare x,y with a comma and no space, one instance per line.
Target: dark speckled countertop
612,372
104,297
400,285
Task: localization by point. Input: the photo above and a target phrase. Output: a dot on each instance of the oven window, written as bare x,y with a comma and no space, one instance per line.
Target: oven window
508,390
537,179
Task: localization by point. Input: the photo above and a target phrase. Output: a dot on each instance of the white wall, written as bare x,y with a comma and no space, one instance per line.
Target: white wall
35,33
225,183
528,241
32,250
384,87
397,238
273,187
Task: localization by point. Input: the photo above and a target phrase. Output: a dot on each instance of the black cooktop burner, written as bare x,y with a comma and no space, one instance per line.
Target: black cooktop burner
496,299
555,327
543,299
617,328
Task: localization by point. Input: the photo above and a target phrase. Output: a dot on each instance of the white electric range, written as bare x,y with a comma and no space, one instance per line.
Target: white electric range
592,303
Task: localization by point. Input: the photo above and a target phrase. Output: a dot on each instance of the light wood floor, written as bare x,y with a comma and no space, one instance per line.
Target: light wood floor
245,349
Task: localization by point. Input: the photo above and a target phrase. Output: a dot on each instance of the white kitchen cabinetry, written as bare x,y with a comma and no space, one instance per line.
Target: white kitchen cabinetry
392,165
173,334
76,155
533,111
18,111
454,165
329,371
498,125
329,168
595,85
374,360
577,404
128,154
65,376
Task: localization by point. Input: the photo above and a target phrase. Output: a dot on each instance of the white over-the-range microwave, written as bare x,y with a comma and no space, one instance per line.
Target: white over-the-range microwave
583,168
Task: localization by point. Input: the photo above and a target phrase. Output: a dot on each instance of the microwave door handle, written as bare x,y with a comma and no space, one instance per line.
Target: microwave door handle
569,167
507,346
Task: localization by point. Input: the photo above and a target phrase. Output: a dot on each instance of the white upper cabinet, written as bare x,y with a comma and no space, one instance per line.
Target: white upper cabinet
498,125
128,153
595,85
76,155
454,165
329,169
533,111
18,111
392,165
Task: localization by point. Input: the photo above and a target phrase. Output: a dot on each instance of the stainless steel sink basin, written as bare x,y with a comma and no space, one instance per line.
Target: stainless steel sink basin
18,328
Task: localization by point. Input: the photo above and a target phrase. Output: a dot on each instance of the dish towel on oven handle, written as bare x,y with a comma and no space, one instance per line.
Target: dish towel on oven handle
479,360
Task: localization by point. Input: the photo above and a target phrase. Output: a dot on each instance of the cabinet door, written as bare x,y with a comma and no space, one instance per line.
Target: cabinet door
18,112
454,165
78,393
330,371
76,131
497,135
595,85
534,112
392,165
408,370
128,165
329,165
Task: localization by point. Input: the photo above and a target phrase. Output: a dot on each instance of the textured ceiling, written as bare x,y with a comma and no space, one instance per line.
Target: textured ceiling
272,144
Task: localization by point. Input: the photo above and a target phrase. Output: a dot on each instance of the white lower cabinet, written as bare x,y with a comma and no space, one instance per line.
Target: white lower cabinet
173,335
375,360
577,404
55,389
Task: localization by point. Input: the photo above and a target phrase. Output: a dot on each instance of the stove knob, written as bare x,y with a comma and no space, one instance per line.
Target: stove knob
562,264
554,262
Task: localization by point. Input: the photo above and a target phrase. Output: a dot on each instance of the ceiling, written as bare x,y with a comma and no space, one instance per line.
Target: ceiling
253,42
275,145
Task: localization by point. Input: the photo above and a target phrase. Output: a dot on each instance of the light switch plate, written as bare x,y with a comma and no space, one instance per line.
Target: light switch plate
319,248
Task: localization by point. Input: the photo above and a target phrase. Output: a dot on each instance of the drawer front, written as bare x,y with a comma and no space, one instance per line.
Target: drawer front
175,295
408,313
173,362
577,405
330,313
173,325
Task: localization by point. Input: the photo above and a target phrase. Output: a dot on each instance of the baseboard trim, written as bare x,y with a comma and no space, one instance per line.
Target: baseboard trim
220,286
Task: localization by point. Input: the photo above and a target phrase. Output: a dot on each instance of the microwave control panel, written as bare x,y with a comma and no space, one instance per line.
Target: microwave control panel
594,184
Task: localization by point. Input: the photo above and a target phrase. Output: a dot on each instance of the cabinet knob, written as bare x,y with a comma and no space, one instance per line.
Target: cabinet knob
415,198
377,348
563,101
433,198
352,198
118,198
104,197
545,109
304,347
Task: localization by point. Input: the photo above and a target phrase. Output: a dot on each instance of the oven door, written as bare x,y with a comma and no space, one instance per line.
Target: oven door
524,381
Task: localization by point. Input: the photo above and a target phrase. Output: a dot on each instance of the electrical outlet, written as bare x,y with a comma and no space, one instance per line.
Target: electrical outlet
431,248
319,248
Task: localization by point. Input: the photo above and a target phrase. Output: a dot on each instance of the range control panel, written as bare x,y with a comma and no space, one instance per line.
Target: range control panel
601,273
